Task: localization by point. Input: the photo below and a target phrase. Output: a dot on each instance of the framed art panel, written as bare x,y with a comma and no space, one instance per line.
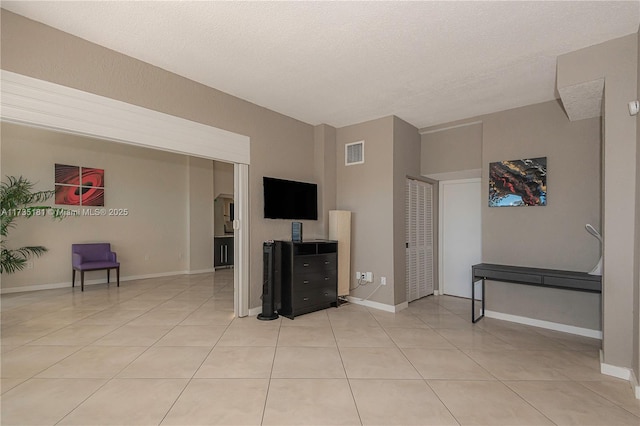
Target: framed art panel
517,183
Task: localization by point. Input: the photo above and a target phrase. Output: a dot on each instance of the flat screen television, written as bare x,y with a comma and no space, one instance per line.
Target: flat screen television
287,199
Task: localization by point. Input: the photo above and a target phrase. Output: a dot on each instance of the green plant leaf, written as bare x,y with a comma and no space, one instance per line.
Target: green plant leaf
16,199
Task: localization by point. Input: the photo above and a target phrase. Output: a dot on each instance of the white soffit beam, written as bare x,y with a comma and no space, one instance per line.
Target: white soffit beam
33,102
583,100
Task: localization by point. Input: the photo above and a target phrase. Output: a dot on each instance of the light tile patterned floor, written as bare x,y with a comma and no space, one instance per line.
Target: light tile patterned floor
168,351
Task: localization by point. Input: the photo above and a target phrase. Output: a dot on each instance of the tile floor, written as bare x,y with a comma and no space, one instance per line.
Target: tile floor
168,351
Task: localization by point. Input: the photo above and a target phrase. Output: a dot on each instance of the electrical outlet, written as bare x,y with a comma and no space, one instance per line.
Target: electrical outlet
29,265
146,257
368,277
361,276
383,280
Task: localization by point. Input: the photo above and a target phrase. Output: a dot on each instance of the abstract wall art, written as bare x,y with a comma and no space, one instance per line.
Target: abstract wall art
79,186
518,183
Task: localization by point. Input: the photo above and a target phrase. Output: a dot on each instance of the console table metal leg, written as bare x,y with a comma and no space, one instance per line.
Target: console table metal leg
473,301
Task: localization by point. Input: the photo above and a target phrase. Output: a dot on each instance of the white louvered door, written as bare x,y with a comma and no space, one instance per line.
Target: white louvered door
419,238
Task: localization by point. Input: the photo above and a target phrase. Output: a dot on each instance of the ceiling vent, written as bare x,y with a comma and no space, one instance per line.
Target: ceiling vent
354,153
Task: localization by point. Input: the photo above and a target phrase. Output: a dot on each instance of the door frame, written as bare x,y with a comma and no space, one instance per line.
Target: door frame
441,221
38,103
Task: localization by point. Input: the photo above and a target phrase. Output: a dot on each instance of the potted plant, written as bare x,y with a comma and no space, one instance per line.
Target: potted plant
17,199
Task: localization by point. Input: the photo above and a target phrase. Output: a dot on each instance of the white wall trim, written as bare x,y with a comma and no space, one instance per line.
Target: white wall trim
427,132
241,239
255,311
613,370
201,271
33,102
586,332
66,284
378,305
356,301
635,385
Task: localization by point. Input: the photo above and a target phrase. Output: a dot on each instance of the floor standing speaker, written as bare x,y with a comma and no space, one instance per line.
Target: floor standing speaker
268,283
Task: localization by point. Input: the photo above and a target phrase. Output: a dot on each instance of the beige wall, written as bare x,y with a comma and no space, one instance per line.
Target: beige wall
552,236
367,191
451,151
222,184
616,61
152,185
406,162
222,178
280,146
324,137
374,192
200,187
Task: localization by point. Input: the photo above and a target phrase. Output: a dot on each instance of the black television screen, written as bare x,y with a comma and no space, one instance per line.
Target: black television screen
287,199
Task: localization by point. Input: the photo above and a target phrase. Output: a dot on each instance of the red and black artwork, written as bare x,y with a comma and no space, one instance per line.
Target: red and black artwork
79,186
518,183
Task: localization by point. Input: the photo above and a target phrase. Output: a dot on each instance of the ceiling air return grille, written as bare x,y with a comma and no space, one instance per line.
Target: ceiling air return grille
354,153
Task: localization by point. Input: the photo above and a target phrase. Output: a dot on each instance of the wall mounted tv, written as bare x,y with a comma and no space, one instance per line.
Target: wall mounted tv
287,199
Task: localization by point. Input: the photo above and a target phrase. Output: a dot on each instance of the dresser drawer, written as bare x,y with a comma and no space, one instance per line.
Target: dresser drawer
314,296
517,277
317,263
313,280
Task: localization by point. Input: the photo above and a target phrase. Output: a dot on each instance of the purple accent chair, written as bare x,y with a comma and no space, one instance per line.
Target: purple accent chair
93,257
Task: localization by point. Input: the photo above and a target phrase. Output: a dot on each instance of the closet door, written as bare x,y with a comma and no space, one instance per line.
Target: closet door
419,238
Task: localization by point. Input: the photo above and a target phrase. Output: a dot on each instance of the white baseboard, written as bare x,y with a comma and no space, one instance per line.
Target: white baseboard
88,282
355,301
635,385
620,373
378,305
201,271
586,332
613,370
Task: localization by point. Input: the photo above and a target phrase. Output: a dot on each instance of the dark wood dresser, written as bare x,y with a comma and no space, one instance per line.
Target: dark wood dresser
307,274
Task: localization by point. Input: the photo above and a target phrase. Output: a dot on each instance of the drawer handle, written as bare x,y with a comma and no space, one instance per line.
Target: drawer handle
305,298
305,264
305,282
326,294
326,278
326,262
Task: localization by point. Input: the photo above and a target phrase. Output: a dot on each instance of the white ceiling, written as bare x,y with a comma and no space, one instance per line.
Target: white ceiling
342,63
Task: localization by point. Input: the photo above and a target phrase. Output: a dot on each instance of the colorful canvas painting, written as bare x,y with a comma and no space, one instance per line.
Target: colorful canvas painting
79,186
518,183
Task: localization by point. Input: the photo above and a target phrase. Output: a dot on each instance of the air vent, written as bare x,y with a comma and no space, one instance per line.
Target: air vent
354,153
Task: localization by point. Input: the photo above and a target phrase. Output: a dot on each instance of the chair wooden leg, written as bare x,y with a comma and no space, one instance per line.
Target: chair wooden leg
118,275
82,280
73,279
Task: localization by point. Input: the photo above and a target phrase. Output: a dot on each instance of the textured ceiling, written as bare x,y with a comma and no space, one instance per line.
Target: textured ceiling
342,63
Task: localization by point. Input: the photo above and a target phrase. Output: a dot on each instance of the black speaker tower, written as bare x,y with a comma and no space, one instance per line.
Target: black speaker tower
268,283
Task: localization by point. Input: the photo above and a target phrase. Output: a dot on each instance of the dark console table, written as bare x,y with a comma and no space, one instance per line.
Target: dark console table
553,278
